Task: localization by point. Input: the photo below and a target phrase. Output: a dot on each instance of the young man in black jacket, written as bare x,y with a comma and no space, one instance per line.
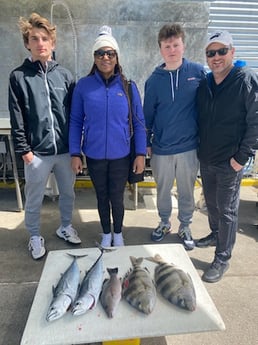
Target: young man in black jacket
228,127
39,104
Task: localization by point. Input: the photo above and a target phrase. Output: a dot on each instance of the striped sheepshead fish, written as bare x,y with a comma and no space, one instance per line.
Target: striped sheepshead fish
138,288
174,284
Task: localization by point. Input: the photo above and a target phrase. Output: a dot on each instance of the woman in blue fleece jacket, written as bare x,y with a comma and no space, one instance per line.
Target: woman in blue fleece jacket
99,127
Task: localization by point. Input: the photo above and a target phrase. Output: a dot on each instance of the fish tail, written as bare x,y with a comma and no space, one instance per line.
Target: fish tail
136,261
156,258
77,256
112,270
104,250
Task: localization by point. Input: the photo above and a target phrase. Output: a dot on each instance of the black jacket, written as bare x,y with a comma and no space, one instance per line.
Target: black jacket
39,105
228,117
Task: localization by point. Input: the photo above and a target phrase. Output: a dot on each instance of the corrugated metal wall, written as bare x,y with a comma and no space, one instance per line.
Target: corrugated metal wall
240,18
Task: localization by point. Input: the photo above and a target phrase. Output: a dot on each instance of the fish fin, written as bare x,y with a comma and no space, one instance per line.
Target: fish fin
93,303
125,283
103,286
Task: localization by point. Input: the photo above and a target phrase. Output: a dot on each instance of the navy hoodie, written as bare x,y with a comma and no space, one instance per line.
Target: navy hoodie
170,108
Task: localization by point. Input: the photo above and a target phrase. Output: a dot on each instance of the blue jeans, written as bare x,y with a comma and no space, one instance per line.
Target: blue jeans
183,168
221,188
109,178
36,176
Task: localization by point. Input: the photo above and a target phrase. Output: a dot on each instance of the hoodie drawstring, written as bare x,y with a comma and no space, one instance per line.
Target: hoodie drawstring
172,83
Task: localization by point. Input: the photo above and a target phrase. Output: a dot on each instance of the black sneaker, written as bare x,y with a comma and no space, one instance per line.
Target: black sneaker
185,234
161,231
208,241
215,271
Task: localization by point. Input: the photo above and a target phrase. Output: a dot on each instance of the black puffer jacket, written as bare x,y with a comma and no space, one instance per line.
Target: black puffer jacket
228,120
39,105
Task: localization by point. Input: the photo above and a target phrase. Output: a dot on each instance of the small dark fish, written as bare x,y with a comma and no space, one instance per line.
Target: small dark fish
111,292
174,284
138,288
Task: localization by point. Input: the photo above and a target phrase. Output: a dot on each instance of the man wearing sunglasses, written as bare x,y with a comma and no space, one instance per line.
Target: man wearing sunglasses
228,126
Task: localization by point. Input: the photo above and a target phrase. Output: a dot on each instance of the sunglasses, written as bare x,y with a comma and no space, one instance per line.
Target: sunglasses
99,54
221,52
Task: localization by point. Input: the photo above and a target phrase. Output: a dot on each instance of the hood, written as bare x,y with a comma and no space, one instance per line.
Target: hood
173,76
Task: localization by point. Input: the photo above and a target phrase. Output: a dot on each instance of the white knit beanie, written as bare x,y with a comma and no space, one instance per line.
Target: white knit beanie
105,39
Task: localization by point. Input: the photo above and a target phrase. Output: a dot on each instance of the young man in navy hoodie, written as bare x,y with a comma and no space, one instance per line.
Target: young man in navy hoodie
171,121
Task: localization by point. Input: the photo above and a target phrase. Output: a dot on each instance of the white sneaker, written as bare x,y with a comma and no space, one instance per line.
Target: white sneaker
106,240
36,247
69,234
118,240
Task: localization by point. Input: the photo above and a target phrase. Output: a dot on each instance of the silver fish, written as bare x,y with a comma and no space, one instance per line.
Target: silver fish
65,291
111,292
174,284
90,288
138,287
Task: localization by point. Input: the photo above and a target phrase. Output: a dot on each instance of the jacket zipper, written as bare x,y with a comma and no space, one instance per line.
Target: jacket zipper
50,109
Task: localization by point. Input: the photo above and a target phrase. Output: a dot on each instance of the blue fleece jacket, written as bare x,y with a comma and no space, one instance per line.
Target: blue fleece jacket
99,123
170,108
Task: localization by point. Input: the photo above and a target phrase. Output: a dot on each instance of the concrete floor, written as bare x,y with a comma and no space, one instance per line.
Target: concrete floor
235,296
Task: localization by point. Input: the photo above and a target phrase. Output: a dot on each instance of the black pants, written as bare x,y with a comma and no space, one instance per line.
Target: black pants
221,188
109,178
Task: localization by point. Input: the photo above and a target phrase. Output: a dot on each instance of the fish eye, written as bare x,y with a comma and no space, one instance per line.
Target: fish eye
181,302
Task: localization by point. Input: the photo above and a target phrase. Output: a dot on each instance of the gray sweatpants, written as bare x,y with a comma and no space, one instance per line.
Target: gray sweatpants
36,176
183,168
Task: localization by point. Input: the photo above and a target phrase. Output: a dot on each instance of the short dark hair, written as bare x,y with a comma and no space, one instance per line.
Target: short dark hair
170,30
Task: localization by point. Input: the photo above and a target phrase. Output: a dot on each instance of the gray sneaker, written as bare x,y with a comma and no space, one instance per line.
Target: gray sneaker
36,247
160,232
184,233
69,234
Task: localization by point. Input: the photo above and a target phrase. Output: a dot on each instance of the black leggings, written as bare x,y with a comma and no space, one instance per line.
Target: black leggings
109,178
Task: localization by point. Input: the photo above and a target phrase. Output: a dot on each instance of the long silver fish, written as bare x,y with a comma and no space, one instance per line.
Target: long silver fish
65,291
90,288
111,292
174,284
138,287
